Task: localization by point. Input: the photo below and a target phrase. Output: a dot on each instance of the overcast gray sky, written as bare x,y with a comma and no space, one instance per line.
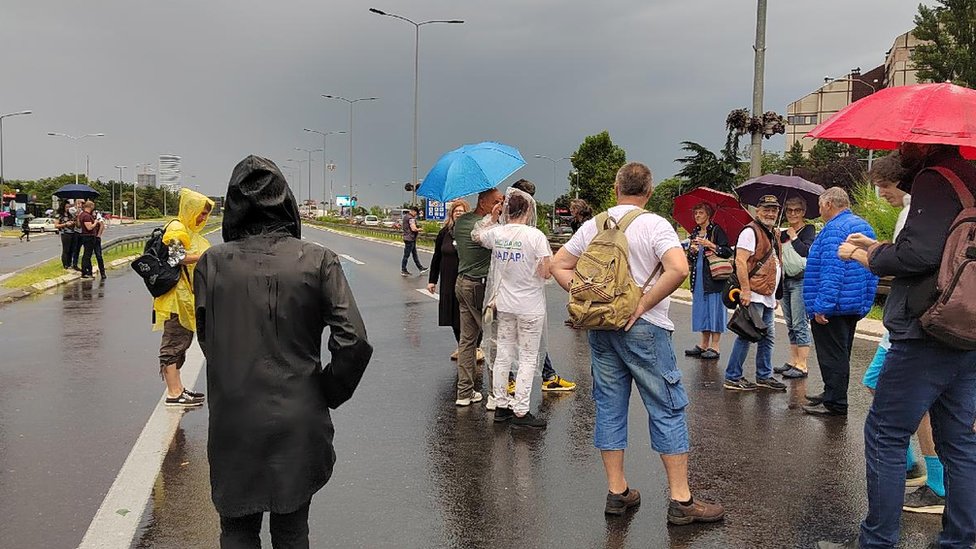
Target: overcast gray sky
215,80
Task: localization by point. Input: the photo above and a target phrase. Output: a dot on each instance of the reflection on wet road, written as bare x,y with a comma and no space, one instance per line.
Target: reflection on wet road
415,471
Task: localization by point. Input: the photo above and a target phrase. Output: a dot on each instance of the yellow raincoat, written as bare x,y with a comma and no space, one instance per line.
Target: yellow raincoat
186,229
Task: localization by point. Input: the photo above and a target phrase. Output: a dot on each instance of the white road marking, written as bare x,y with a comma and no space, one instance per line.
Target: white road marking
428,294
117,520
351,259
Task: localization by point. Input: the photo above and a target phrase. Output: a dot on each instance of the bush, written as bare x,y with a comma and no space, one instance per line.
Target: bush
875,210
431,227
150,213
662,200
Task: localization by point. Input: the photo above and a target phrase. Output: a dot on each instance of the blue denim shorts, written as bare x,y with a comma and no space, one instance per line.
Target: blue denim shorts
643,356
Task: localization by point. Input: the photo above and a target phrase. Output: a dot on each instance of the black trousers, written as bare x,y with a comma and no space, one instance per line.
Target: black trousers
834,341
288,531
75,248
93,245
67,243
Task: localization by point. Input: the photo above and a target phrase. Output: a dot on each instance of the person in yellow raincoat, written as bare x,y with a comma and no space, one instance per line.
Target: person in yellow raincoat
173,312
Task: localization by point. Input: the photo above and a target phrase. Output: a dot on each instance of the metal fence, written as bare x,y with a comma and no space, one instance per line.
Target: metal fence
134,243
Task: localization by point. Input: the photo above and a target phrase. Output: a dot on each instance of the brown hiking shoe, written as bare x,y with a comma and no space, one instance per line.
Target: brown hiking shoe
699,510
618,504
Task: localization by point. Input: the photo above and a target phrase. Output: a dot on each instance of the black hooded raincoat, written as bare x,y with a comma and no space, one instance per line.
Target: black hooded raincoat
263,299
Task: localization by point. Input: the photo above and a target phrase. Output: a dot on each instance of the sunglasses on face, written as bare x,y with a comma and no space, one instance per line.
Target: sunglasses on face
795,210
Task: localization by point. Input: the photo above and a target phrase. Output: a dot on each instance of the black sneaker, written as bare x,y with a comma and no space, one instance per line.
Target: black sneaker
783,368
404,273
710,354
424,269
924,500
503,414
192,394
618,504
695,351
916,476
184,400
815,399
770,383
529,421
741,384
823,410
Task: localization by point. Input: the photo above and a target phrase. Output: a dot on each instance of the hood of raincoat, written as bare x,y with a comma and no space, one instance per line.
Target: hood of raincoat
259,201
192,204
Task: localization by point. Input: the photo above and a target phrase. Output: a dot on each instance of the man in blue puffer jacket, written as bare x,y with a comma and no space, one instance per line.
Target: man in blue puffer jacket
836,294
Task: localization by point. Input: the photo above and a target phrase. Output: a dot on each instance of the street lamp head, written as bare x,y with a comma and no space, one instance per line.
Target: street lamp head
455,21
377,12
95,135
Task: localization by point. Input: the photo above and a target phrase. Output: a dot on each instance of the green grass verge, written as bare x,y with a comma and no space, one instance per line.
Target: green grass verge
53,269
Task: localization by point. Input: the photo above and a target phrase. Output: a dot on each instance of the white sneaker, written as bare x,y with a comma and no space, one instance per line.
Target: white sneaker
492,403
476,397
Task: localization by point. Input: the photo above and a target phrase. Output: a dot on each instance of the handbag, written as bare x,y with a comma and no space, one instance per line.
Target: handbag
730,295
747,323
719,267
793,262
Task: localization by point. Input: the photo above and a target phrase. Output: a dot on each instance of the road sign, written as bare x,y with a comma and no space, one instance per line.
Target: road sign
436,211
345,201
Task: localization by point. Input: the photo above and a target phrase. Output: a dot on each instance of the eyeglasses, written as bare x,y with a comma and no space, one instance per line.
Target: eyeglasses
795,210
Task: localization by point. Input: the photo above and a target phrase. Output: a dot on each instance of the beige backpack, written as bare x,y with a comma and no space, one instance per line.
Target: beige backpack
602,294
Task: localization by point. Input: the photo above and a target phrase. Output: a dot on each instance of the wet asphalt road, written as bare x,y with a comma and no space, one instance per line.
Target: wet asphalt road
15,255
415,471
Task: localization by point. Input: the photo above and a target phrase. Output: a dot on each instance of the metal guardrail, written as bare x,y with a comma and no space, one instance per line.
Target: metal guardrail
133,242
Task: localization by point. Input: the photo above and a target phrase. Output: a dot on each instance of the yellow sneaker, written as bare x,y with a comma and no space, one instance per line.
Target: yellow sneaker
557,383
511,387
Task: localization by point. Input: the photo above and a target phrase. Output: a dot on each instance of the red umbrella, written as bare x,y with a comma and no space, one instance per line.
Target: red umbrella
923,113
729,214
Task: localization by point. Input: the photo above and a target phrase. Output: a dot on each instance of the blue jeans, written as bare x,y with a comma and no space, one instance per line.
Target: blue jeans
920,376
795,312
410,248
764,356
643,356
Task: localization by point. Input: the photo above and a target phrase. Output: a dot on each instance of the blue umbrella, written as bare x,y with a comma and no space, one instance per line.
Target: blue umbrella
470,169
75,190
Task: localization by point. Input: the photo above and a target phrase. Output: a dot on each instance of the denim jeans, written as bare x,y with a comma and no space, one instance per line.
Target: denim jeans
920,376
764,355
795,312
643,356
410,248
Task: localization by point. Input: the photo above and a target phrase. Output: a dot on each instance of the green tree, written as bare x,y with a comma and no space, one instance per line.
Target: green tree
662,199
703,168
825,152
950,52
377,211
795,157
597,159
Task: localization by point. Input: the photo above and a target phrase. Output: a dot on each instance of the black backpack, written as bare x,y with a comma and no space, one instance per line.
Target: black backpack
152,265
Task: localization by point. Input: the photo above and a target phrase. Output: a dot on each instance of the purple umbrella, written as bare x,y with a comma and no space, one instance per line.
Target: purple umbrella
783,187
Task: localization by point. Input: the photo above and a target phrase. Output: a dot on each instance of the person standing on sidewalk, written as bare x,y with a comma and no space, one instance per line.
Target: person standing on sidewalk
758,266
91,241
708,314
641,354
173,312
64,225
75,211
473,263
837,294
796,240
270,443
410,231
444,268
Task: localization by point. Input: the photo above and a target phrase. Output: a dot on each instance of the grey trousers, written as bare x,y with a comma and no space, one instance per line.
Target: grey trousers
471,297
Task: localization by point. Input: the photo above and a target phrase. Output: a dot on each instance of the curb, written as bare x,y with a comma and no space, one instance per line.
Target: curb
867,328
15,294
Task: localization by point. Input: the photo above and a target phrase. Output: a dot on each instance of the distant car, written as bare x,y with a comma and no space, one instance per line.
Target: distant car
388,223
563,229
371,221
41,225
358,220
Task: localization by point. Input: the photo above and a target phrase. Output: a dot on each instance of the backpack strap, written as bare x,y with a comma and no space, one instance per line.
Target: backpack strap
601,221
962,191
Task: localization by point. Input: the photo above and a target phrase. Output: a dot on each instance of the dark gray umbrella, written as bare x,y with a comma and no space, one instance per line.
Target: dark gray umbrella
75,190
782,187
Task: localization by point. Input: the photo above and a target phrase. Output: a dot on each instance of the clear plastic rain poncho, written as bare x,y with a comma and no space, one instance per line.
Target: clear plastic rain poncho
489,322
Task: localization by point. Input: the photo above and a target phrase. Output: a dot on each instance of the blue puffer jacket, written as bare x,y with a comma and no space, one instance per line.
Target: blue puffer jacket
832,286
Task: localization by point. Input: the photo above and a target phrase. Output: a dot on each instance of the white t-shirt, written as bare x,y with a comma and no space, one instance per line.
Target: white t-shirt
516,251
649,237
747,242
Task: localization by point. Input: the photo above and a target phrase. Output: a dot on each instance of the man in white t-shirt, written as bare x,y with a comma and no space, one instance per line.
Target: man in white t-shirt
641,354
758,256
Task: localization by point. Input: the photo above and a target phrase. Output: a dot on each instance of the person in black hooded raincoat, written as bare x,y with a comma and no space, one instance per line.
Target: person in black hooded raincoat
263,299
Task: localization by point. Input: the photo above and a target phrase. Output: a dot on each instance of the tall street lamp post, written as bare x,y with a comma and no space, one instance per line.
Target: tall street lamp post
759,71
554,190
351,103
2,116
416,81
121,180
75,139
298,170
873,90
310,151
325,159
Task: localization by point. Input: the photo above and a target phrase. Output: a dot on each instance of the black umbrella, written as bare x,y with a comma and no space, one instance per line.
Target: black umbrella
782,187
76,190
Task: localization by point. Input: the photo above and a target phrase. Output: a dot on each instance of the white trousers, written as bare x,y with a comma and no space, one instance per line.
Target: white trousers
519,336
